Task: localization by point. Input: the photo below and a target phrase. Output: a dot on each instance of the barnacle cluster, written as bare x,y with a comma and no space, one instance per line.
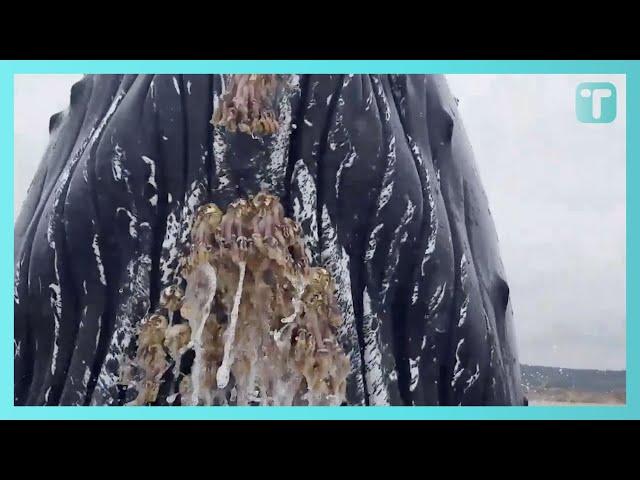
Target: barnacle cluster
247,105
261,321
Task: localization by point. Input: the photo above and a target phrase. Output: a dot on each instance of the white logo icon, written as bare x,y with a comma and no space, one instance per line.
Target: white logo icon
596,101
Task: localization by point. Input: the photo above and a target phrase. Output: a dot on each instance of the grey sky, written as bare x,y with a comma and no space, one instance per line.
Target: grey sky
556,189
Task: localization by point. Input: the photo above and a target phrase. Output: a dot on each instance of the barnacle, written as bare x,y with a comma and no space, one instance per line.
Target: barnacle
176,342
151,360
171,298
247,105
262,322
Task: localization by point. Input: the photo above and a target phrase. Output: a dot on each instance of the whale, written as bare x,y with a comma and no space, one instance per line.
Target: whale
377,170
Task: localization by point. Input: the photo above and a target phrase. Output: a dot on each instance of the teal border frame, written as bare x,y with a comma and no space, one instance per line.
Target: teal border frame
630,68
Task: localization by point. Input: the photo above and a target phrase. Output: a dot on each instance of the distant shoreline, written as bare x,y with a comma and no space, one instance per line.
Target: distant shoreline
569,397
544,403
573,387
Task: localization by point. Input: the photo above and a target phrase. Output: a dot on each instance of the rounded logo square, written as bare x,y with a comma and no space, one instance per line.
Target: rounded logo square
596,102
